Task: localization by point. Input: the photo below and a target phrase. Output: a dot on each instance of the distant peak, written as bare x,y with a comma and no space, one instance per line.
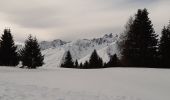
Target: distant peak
108,35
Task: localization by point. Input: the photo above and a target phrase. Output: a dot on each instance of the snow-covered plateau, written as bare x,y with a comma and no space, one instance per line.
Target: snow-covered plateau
84,84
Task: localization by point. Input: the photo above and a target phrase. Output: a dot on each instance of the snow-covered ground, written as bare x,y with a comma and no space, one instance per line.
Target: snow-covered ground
77,84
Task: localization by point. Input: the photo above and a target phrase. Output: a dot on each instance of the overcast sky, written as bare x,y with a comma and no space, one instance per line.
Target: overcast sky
73,19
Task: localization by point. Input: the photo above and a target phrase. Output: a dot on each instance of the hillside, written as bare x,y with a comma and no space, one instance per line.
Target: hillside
81,49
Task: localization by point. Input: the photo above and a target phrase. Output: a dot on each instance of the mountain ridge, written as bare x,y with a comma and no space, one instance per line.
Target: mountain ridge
80,49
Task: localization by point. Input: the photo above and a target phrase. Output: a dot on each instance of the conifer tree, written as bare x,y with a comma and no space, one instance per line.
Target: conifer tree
164,47
81,66
86,65
101,65
8,50
140,47
123,38
114,61
124,35
31,54
95,61
68,62
76,65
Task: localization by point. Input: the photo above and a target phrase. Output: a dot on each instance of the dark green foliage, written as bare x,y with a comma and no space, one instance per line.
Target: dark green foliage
76,65
140,46
105,65
164,48
95,61
114,61
68,62
81,66
100,63
31,54
8,53
124,35
86,65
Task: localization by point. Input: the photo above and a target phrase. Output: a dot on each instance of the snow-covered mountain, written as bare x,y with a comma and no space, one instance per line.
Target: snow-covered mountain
104,53
53,44
81,49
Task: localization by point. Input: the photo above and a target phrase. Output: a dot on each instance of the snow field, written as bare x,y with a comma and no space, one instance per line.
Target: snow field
77,84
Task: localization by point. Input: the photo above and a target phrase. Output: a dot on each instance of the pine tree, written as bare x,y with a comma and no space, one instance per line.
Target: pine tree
124,35
68,62
164,48
31,54
123,38
76,65
81,66
95,61
86,65
114,61
105,65
101,65
140,47
8,53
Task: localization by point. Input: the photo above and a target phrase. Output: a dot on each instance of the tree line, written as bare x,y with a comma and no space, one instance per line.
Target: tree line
139,47
30,55
94,62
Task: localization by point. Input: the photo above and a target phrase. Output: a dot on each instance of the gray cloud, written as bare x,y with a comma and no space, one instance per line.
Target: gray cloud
38,17
50,19
142,1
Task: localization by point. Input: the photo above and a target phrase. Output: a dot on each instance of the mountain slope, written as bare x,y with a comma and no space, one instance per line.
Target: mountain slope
80,49
104,53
